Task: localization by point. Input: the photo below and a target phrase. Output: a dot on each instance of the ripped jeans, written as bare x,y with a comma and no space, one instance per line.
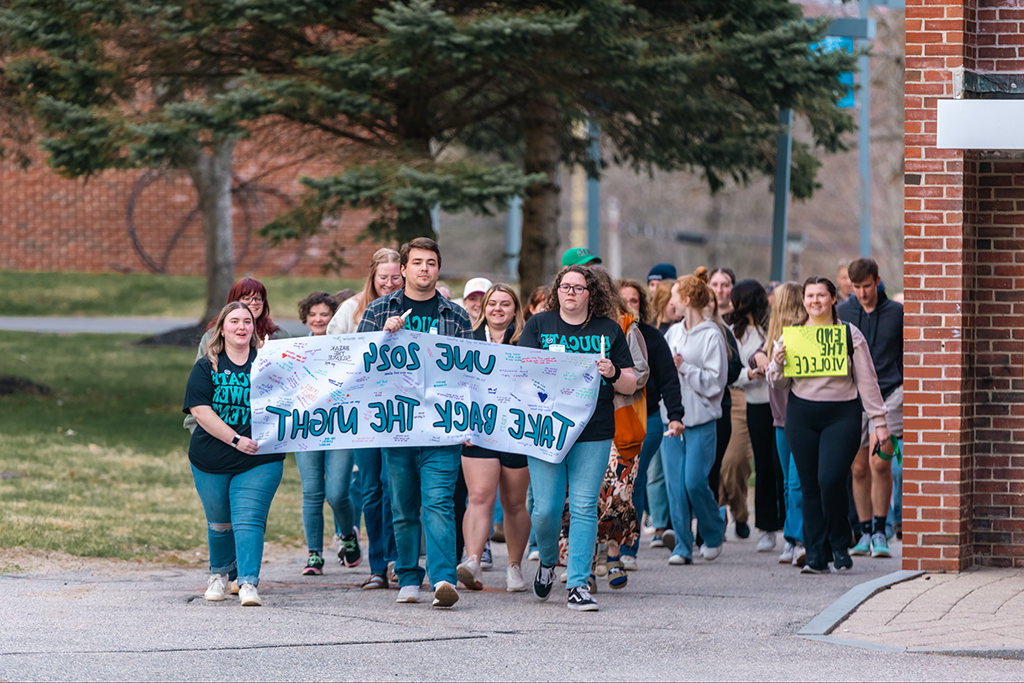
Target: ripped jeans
236,507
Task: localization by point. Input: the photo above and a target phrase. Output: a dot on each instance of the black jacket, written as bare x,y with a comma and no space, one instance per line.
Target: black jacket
883,330
664,381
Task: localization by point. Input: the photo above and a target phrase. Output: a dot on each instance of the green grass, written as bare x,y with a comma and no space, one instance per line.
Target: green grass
111,294
119,485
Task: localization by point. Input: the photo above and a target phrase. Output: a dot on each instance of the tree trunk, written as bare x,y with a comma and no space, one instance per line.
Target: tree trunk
539,252
211,175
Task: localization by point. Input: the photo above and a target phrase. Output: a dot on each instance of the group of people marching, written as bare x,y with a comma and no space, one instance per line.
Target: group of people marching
693,389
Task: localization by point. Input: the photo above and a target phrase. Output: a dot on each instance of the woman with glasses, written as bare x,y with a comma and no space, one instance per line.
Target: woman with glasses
581,313
385,277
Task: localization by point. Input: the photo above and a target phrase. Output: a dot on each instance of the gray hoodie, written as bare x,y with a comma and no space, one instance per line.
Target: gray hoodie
702,374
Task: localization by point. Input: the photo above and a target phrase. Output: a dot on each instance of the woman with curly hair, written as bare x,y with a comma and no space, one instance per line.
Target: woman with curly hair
581,318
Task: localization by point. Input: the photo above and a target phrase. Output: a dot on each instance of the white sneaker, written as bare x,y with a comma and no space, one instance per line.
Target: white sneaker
445,595
408,594
679,559
486,558
799,556
249,596
216,588
629,563
469,574
710,554
534,556
766,541
787,553
514,582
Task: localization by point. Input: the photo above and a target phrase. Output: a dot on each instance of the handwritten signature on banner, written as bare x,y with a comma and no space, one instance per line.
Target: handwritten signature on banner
381,390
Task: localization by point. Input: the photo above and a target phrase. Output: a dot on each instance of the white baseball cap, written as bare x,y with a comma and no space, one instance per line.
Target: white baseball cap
476,284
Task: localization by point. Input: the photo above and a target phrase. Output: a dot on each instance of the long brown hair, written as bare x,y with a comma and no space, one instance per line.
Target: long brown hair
518,322
369,293
662,297
645,305
215,346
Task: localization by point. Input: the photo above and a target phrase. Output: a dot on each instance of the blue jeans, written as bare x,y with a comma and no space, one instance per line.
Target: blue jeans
652,441
531,545
424,477
687,462
236,507
325,474
582,471
793,527
380,530
895,515
657,495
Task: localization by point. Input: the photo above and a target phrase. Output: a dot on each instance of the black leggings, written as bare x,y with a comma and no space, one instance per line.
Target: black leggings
723,432
769,495
824,437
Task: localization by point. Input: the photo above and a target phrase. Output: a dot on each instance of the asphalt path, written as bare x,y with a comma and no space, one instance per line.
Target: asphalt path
734,619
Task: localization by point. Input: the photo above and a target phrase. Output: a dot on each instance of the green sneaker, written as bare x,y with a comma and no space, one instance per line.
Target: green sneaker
863,546
880,546
314,565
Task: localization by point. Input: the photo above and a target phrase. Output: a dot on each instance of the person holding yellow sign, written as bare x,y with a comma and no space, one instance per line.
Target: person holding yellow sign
825,379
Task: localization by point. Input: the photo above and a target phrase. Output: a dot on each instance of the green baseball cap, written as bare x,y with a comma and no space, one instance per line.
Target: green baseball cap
578,256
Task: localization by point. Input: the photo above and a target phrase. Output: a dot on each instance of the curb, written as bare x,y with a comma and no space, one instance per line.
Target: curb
833,615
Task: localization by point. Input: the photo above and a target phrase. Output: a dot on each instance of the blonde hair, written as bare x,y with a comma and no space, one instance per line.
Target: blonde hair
369,293
662,297
787,311
695,288
215,346
518,322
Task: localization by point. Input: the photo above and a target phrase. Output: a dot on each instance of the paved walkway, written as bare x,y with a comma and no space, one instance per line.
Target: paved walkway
979,611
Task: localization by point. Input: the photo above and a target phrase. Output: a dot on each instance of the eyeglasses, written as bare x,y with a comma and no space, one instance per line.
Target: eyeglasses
251,300
575,289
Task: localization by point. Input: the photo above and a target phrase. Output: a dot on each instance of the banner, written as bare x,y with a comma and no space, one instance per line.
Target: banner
383,390
815,351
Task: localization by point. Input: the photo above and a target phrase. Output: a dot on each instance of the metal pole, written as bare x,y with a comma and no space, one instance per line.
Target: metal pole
864,146
514,237
594,194
614,238
781,218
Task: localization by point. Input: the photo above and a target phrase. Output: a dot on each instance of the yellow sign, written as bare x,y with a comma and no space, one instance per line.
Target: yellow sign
816,351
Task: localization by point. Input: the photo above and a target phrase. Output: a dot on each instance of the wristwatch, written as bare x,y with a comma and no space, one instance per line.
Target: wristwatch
234,441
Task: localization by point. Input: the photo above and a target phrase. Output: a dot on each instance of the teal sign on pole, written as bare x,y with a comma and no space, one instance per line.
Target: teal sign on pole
832,44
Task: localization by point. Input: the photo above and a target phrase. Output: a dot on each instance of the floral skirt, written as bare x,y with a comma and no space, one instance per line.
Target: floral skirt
616,517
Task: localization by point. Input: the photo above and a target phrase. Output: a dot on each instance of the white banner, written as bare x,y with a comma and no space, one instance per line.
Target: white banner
381,390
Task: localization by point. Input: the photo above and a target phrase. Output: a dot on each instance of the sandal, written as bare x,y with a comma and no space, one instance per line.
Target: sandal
375,582
617,576
592,583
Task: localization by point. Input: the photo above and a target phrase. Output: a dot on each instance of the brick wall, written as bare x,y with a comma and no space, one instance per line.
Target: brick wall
148,222
964,278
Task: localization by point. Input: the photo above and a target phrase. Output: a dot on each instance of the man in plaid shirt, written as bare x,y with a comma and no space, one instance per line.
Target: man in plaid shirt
422,476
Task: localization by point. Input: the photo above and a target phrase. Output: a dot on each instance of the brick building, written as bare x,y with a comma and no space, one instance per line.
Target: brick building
964,279
147,221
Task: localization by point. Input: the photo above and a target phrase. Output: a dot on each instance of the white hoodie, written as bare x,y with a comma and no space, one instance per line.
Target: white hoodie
702,374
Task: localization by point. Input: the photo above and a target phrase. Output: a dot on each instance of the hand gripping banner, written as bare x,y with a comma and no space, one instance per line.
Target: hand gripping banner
384,390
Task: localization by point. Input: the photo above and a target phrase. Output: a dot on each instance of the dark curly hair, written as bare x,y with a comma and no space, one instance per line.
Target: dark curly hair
307,304
748,296
600,305
645,302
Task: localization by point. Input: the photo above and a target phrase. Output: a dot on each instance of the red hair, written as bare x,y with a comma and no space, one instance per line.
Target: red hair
247,286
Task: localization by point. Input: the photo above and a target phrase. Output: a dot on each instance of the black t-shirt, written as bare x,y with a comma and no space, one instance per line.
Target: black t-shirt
547,330
424,316
227,392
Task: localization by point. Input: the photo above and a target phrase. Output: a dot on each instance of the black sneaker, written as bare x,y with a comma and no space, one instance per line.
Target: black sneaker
543,581
314,565
841,561
580,600
349,552
811,568
742,530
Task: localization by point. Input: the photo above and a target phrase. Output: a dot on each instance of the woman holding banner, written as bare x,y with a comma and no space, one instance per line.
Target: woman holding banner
580,319
823,429
484,470
235,484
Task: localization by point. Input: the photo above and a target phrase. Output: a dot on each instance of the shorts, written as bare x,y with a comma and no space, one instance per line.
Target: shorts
893,417
513,461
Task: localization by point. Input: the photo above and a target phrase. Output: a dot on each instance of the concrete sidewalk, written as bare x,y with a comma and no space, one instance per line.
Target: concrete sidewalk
737,618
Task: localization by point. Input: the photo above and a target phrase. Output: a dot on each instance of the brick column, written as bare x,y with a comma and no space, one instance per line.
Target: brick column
939,283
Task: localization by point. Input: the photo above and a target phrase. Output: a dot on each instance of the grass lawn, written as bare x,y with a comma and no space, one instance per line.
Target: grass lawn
103,457
111,294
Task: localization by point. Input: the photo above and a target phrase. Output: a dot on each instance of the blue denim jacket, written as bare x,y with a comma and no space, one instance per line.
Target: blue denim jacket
453,321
